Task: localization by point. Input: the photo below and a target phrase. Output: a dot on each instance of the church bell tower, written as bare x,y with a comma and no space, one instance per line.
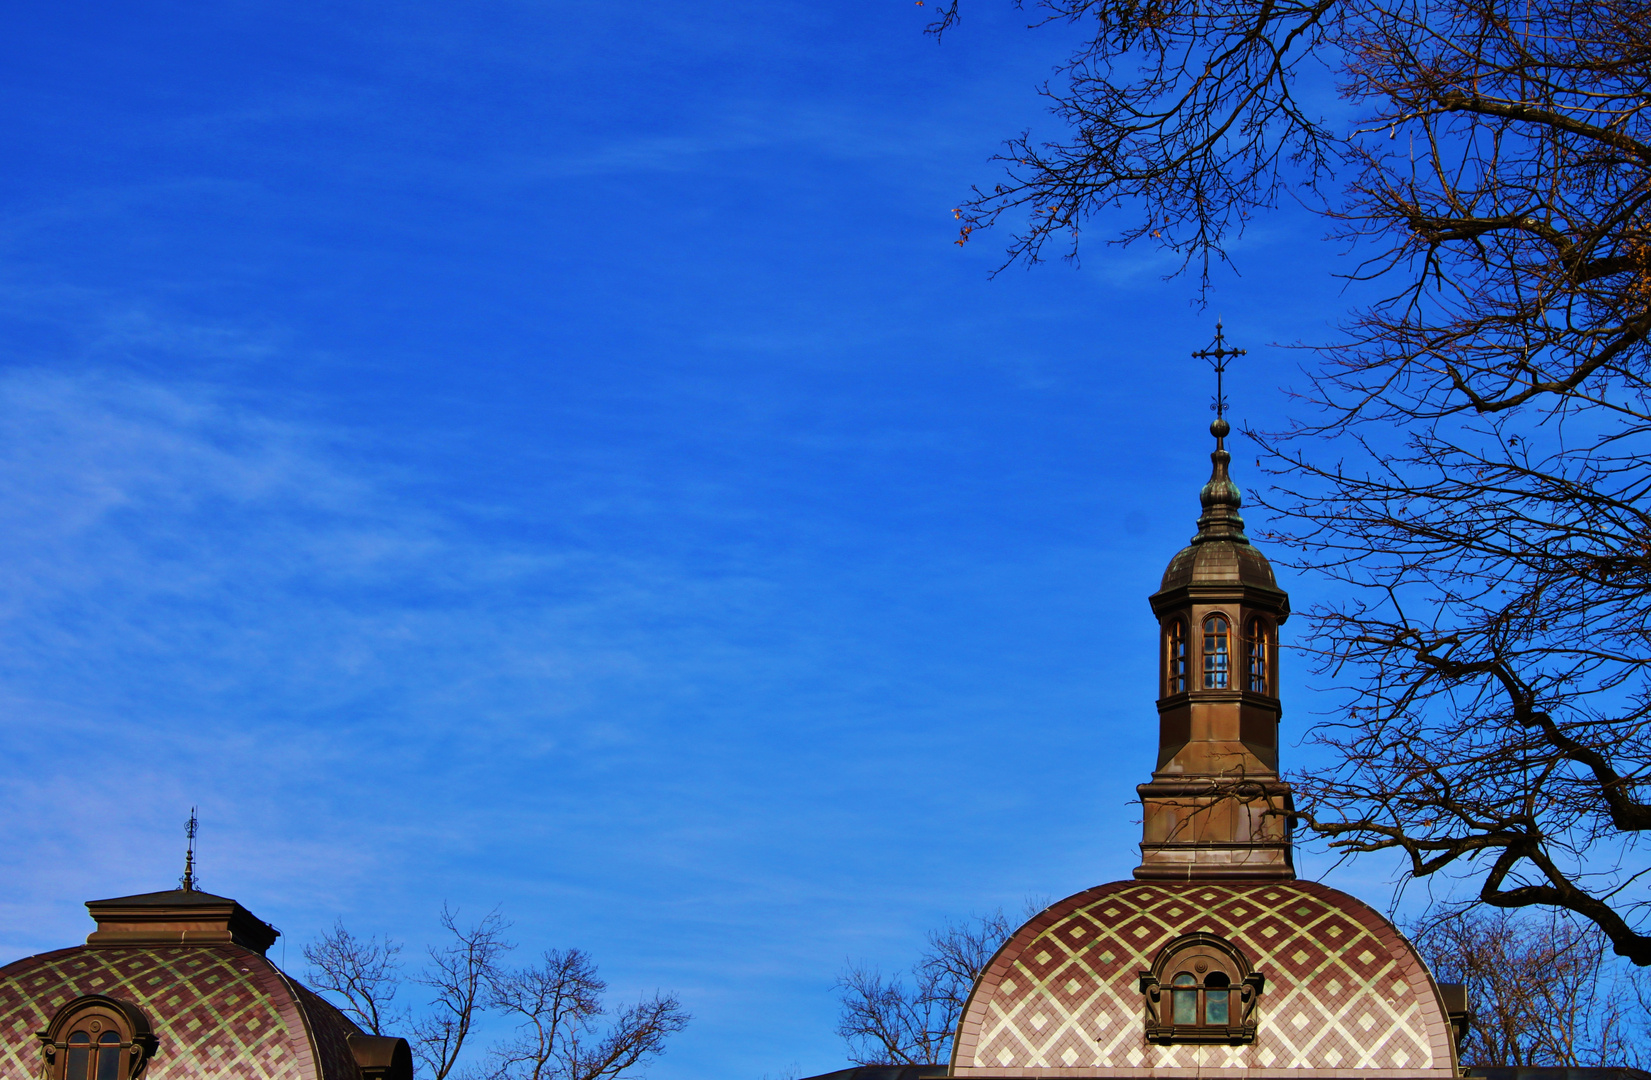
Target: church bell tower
1215,808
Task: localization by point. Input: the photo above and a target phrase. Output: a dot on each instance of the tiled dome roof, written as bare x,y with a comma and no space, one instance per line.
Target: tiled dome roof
219,1010
192,965
1343,989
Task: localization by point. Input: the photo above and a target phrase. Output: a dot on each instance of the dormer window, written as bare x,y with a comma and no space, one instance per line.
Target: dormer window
1175,657
97,1038
1200,989
1217,653
1256,656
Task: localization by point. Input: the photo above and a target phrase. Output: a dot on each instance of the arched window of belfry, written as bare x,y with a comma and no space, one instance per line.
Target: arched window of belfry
1257,655
1175,657
1217,653
97,1038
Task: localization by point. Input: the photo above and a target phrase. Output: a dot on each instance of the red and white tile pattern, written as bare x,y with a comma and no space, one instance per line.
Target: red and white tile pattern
1345,996
221,1012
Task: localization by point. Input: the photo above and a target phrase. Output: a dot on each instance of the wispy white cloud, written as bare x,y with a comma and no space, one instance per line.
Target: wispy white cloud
189,588
201,600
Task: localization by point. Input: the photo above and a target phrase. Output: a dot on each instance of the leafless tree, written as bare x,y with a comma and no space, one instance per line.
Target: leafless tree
1543,989
909,1019
363,973
461,973
1485,497
557,1005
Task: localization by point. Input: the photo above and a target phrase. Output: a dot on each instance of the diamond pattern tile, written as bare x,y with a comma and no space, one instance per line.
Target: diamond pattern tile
221,1012
1344,991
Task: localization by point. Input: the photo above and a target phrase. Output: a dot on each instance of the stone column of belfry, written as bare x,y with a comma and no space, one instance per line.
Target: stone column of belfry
1216,808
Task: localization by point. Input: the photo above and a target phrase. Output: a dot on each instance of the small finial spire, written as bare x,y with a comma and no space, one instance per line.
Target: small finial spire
188,879
1220,497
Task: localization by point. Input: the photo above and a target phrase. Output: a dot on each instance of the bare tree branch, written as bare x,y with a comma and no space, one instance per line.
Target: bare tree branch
556,1005
363,974
888,1022
547,1002
1542,990
638,1034
460,973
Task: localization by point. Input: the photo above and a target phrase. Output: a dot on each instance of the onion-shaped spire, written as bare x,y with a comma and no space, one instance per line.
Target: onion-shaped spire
1220,497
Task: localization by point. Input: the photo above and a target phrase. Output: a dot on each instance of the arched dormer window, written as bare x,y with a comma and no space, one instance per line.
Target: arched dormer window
1217,653
1257,656
1175,657
97,1038
1201,989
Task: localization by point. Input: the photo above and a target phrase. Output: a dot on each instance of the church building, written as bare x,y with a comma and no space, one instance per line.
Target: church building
1214,959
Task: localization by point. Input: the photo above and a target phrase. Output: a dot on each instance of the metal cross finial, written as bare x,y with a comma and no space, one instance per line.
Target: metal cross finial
1218,354
188,879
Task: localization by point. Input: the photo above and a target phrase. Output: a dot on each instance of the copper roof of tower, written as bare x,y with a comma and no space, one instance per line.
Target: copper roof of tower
1220,552
177,916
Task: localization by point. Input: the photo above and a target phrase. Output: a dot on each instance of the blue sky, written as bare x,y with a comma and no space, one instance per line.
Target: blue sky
552,455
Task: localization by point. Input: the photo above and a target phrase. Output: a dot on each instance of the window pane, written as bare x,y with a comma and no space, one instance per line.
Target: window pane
108,1058
1215,1008
78,1056
1186,1006
1217,663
